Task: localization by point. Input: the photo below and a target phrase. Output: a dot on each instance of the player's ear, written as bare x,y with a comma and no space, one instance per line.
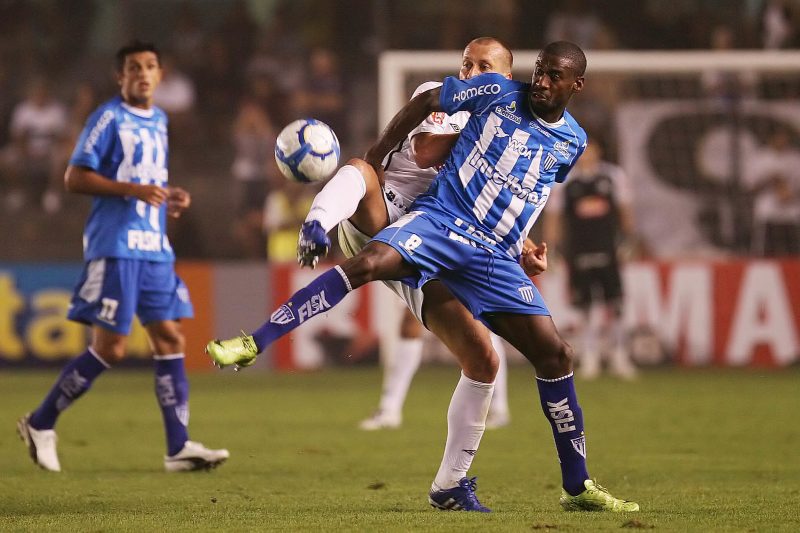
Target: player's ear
577,85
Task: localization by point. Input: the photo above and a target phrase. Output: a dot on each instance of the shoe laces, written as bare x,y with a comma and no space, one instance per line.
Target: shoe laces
246,342
470,485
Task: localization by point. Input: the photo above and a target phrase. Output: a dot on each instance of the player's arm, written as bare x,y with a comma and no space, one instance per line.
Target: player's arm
432,149
83,180
402,124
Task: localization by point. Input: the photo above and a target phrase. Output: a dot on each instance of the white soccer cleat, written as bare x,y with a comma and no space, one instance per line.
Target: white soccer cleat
195,456
381,420
41,444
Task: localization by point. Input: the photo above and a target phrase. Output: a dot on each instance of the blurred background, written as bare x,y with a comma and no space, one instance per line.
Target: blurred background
696,100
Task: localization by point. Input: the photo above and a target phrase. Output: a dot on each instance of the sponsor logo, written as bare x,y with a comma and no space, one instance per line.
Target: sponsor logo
521,148
472,92
315,305
510,182
456,127
549,161
472,230
508,112
562,147
143,171
412,243
143,240
580,445
535,125
470,452
561,415
282,315
460,238
72,384
526,291
498,132
165,390
94,135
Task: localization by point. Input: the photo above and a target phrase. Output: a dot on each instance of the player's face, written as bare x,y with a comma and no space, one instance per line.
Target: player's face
481,58
553,84
139,78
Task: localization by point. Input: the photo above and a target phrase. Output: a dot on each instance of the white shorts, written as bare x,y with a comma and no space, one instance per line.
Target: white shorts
351,241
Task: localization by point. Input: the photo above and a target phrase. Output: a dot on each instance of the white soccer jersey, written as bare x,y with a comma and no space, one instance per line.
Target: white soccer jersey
404,180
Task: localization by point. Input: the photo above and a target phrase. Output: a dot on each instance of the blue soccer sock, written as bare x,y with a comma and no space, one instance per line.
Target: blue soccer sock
560,406
172,391
317,297
75,379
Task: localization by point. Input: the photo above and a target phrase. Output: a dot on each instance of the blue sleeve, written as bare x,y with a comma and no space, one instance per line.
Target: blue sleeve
473,95
96,140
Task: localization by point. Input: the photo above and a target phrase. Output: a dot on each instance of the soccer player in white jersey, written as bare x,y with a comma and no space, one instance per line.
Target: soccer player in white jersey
354,199
120,160
468,231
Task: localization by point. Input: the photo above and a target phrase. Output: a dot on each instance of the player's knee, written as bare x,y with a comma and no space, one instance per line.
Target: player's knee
110,352
556,362
482,365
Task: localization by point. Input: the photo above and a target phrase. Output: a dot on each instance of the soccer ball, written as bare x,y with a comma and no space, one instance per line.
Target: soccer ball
307,150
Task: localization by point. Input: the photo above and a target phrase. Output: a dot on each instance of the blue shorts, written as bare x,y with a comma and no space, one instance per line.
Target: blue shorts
484,280
112,290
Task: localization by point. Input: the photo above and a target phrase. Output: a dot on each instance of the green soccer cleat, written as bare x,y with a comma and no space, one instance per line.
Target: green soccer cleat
596,498
239,351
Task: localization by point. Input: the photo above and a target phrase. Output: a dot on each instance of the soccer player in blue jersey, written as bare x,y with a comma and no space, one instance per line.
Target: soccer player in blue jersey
467,231
120,160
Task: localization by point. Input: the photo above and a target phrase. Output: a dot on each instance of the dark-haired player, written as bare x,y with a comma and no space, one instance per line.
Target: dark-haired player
121,161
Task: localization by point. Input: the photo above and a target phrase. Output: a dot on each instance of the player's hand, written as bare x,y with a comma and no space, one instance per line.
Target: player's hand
151,194
178,201
533,258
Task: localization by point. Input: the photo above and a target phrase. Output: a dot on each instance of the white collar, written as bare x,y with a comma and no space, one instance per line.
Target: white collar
138,111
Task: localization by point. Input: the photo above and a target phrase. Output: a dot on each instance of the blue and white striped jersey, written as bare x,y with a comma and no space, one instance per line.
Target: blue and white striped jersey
500,172
125,144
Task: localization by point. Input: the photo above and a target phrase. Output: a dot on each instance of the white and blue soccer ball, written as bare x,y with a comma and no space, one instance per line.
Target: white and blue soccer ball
307,150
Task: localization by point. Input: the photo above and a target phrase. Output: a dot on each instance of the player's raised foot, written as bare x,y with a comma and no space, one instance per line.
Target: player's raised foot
239,351
497,420
41,444
312,244
195,456
596,498
381,420
460,498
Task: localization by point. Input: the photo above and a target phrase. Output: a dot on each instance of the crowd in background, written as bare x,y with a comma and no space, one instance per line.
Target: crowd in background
235,72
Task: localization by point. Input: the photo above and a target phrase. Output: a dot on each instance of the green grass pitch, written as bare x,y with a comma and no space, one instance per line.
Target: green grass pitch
701,450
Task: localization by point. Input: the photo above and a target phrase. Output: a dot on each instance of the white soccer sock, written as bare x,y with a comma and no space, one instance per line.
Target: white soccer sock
397,376
466,422
590,353
499,404
339,198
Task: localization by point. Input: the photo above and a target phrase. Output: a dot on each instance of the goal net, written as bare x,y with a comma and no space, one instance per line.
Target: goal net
688,127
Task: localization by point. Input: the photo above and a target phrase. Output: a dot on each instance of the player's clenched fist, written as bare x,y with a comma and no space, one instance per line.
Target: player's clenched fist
178,200
533,258
151,194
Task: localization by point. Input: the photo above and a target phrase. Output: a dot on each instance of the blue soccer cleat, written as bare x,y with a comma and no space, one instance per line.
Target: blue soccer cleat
460,498
312,244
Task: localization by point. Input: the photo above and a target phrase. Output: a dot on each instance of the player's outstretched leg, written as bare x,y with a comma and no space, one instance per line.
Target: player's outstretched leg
320,295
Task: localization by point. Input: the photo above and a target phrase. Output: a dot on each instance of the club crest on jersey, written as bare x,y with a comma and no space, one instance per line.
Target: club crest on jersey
438,117
508,112
549,161
562,147
579,445
282,315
